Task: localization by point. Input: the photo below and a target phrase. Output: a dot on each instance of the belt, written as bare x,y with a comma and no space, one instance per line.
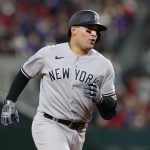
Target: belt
71,124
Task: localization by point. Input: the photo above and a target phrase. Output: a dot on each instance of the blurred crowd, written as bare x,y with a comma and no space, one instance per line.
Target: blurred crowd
27,25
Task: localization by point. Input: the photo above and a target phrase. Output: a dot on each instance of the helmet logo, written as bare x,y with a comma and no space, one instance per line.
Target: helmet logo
96,18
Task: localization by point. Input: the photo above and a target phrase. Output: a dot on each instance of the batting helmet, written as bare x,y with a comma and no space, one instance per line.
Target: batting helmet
85,17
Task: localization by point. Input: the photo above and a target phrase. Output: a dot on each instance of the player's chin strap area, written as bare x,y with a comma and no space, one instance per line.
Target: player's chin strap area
79,126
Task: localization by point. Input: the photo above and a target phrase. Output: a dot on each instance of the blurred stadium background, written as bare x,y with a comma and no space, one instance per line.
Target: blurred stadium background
27,25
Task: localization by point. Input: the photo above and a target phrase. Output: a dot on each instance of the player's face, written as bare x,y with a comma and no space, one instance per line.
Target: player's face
86,36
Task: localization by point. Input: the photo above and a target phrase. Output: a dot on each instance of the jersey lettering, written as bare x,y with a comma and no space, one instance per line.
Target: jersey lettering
51,74
82,76
59,74
63,73
76,73
89,78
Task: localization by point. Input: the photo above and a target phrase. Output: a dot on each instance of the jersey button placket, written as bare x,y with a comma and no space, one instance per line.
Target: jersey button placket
72,103
76,62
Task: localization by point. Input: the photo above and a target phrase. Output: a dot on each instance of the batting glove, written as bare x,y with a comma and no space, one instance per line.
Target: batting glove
92,91
9,115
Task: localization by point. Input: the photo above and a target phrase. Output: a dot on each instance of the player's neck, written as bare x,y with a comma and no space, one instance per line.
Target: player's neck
76,50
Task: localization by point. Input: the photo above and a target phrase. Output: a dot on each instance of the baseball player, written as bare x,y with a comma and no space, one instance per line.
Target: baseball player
75,79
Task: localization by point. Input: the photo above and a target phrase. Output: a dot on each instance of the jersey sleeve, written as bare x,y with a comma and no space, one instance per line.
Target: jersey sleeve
108,87
34,65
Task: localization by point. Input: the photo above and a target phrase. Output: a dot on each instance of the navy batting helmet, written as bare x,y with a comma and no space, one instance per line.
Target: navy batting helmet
85,17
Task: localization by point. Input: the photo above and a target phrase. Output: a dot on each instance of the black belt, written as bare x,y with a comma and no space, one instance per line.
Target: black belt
71,124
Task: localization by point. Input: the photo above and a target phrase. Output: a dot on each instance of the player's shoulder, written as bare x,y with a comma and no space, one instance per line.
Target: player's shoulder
100,57
60,45
54,47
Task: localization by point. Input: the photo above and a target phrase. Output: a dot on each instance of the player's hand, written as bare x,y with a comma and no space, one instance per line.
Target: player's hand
9,115
92,91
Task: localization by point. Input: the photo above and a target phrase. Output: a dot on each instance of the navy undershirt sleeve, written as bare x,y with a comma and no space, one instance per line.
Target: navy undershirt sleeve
107,108
17,86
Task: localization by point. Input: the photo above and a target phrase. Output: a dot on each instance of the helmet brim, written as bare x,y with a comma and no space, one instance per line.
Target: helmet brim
100,27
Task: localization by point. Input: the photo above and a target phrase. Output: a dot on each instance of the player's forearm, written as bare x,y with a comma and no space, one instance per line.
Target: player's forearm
107,107
17,86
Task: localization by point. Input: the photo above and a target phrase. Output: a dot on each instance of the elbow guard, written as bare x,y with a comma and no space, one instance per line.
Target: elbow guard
107,107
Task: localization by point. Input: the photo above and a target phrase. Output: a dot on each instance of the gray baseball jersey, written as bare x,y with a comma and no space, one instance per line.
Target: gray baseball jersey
63,78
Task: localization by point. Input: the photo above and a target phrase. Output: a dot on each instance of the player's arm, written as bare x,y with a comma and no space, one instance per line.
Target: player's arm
32,67
106,104
17,86
9,116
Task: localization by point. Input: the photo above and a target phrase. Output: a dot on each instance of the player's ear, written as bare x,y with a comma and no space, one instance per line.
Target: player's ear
73,30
